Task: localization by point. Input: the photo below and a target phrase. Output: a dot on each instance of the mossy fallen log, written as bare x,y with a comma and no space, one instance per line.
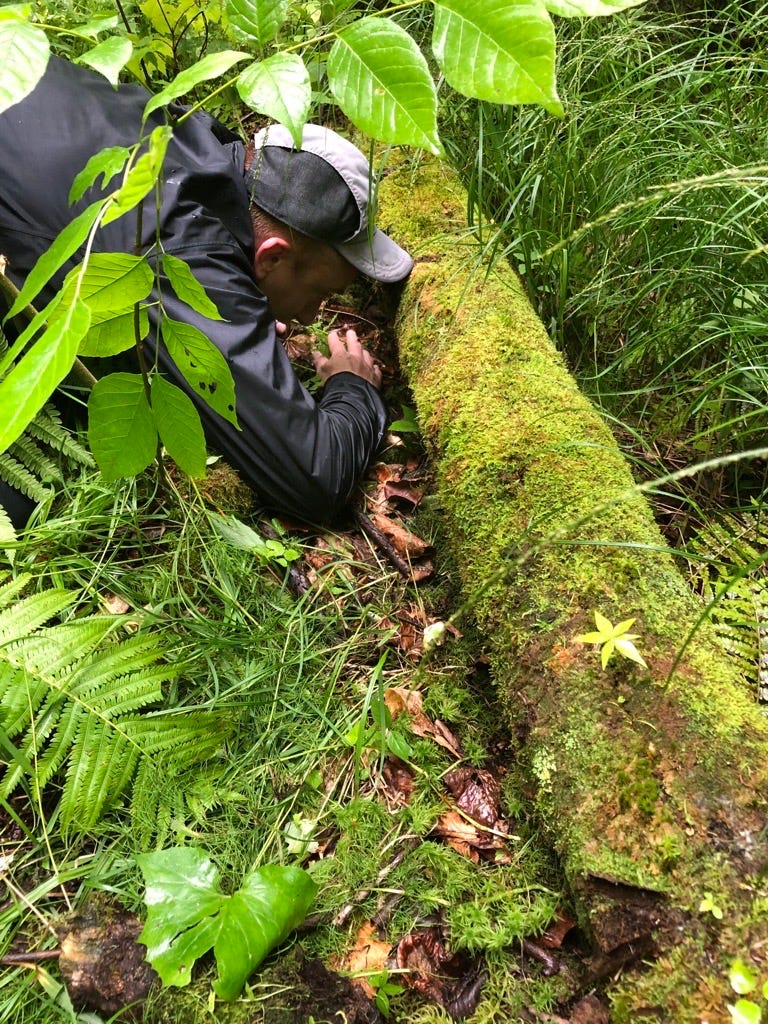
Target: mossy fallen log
650,783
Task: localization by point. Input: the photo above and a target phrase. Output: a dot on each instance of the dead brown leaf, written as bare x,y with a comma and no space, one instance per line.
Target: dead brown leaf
114,605
399,782
476,792
556,932
406,543
399,699
452,980
369,955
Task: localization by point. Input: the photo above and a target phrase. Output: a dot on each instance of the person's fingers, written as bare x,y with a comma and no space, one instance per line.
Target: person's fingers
280,327
354,346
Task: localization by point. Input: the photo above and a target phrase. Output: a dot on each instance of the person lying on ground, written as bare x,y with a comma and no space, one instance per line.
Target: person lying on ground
268,230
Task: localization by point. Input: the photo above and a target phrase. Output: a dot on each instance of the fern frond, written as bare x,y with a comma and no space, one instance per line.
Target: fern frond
734,584
29,614
10,588
71,697
26,451
47,427
19,477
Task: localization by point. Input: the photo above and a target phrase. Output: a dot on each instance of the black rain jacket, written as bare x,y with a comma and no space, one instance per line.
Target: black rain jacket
301,456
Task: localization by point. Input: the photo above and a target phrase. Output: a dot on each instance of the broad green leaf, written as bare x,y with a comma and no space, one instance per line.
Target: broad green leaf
121,430
202,365
109,57
280,88
239,534
187,914
745,1012
742,978
211,66
603,624
98,24
56,255
24,53
271,903
141,178
30,383
113,332
256,21
381,81
111,285
108,162
178,424
188,288
606,651
588,8
501,52
113,280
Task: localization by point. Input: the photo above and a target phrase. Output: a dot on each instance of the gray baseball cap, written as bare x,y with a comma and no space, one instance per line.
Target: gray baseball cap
325,190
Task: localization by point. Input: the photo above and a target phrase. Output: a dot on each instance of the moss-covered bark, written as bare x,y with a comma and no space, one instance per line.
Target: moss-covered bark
652,788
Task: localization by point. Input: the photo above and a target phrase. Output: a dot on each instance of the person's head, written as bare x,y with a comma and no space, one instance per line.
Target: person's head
294,271
313,211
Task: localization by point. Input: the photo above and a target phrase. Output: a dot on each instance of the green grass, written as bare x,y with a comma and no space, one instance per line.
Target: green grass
295,678
639,221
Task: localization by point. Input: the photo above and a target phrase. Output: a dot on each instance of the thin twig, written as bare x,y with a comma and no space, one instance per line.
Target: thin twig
382,542
30,957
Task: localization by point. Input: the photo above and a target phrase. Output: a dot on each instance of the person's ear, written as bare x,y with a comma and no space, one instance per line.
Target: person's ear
269,255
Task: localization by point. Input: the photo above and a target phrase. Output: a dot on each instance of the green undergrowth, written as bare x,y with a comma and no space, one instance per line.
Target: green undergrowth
298,680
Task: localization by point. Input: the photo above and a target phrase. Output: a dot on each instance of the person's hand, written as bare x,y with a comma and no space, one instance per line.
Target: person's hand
347,355
280,327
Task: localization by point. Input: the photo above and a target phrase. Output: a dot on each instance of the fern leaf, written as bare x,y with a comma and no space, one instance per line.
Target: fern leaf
47,427
11,588
30,613
27,452
19,477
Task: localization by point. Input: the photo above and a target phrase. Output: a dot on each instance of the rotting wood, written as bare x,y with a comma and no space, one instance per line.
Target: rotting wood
650,785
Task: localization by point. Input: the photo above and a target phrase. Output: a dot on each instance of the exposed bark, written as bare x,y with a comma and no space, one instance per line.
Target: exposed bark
651,788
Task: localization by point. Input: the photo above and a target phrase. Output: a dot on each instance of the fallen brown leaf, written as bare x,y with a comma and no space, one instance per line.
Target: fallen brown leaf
406,543
452,980
399,699
399,782
368,955
476,792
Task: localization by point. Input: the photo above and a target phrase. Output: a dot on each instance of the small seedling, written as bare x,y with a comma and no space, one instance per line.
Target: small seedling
744,981
384,988
613,638
708,906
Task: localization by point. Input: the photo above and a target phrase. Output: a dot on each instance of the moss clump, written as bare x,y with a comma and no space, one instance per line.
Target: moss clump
547,527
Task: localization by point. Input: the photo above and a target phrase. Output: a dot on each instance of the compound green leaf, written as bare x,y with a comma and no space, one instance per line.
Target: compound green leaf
256,21
381,81
188,288
211,66
187,914
202,365
178,424
280,88
30,383
588,8
109,57
504,53
111,285
141,178
24,53
113,280
121,430
64,245
107,162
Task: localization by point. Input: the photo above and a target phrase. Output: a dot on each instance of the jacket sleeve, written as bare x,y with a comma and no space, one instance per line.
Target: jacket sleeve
302,457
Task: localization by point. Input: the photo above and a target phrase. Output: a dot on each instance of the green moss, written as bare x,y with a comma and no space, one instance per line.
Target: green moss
631,769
